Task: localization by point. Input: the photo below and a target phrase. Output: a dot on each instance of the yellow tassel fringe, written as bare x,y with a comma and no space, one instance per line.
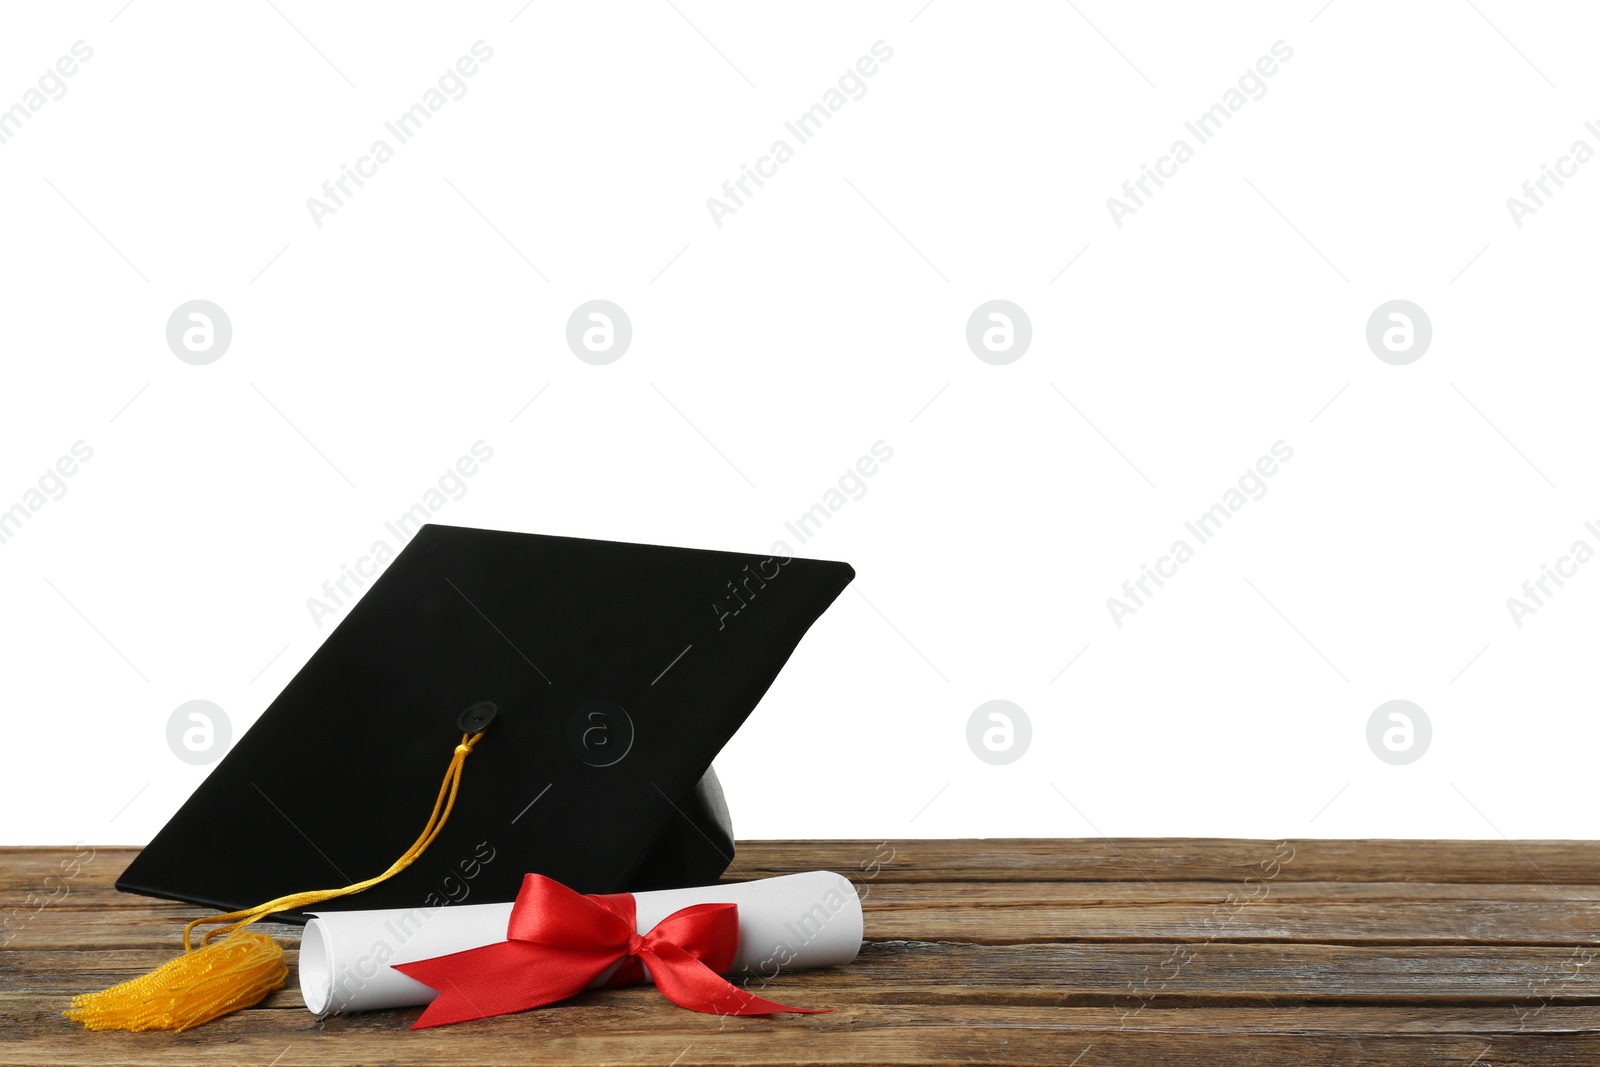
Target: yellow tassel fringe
242,968
223,976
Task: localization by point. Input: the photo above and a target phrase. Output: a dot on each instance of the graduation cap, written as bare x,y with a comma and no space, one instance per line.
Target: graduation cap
604,678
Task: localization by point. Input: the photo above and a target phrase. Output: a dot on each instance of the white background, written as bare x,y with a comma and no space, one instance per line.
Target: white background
826,314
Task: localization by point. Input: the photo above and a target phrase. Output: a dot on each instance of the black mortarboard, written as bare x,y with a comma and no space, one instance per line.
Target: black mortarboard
613,673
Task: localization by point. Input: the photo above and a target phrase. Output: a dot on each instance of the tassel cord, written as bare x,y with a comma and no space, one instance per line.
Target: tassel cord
243,967
442,805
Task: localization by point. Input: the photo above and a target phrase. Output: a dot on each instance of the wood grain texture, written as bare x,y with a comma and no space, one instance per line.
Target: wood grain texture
1093,952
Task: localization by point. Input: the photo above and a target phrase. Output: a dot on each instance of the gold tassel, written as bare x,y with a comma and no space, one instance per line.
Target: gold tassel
235,972
242,968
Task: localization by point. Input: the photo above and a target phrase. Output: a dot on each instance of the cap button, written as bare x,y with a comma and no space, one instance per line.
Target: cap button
477,718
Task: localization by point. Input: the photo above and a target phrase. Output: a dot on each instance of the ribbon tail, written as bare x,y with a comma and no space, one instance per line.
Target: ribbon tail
689,983
502,978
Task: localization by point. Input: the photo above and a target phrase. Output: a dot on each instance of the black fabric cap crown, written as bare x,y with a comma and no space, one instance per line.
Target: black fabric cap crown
616,672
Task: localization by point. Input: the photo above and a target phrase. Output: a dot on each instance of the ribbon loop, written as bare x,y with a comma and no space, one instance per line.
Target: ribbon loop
558,942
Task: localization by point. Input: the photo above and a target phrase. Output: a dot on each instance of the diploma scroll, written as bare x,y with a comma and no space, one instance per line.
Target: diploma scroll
796,920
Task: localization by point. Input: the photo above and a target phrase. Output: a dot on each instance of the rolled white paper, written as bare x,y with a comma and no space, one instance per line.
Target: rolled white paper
796,920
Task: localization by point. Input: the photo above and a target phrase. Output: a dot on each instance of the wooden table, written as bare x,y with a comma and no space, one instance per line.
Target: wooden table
1058,952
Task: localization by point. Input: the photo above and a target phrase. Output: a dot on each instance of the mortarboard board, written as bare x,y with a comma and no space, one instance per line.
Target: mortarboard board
611,675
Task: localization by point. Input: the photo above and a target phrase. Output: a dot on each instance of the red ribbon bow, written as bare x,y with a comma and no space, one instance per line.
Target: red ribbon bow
559,941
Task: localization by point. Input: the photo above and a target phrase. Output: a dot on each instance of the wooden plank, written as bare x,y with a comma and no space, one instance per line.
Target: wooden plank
1005,894
626,1012
590,1033
890,915
1027,894
1076,860
1025,952
1131,975
1178,859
